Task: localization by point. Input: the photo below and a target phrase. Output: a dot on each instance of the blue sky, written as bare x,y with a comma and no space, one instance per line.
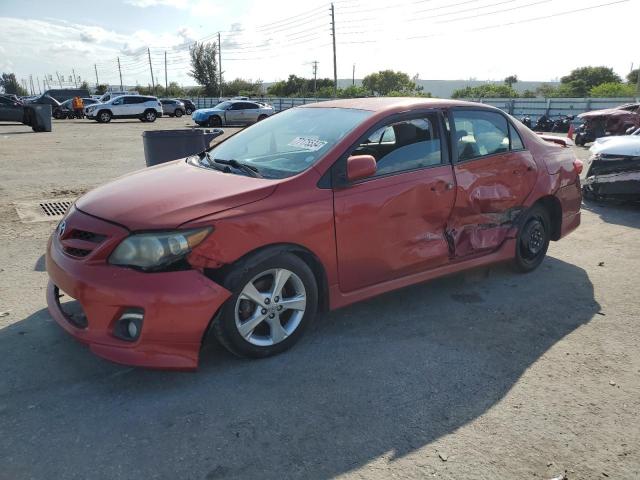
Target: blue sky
435,39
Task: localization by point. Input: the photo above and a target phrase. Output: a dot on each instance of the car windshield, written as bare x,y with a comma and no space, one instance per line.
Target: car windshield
291,141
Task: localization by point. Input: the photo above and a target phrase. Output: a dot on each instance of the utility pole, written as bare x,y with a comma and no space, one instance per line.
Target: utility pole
31,83
59,79
315,74
219,65
153,82
166,82
353,76
95,67
335,67
75,82
120,71
38,80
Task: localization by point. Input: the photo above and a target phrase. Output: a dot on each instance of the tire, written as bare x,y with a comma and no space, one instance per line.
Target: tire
188,111
260,337
177,113
103,116
261,117
150,116
533,239
214,121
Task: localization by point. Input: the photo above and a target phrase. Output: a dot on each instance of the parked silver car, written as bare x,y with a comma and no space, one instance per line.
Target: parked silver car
232,112
172,107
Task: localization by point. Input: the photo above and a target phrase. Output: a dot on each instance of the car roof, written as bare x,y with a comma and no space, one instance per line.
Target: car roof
380,104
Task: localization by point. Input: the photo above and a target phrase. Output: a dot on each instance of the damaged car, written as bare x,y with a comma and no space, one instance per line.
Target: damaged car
613,169
611,121
310,210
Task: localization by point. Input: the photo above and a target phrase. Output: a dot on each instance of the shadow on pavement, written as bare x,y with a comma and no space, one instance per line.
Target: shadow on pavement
389,375
616,212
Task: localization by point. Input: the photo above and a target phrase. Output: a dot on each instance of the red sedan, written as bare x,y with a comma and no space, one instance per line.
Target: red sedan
312,209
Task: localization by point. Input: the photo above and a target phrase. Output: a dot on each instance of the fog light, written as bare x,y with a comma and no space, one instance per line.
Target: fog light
129,325
132,329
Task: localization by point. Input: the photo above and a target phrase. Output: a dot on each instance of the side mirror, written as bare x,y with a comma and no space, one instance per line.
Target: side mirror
360,166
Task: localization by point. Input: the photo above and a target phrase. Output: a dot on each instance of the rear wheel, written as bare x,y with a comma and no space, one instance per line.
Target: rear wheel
178,113
261,117
273,301
188,111
150,116
532,240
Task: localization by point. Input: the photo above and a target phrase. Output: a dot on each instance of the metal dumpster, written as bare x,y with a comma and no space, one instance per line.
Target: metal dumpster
162,146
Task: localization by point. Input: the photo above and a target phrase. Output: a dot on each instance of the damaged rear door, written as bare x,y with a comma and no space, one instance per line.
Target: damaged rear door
494,175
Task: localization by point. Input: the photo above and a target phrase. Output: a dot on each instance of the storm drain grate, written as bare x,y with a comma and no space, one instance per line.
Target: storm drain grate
43,210
54,209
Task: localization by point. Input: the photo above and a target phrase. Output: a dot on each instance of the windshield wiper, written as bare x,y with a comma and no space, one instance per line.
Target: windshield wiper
204,157
249,169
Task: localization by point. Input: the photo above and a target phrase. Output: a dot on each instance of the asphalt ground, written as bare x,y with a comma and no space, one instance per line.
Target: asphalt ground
482,375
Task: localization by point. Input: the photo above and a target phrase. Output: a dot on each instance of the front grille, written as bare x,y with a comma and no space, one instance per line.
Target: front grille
87,236
76,252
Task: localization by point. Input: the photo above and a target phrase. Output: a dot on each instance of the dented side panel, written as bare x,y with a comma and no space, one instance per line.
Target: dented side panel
490,194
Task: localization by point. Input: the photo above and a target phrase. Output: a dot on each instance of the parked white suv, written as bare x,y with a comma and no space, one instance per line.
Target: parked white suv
147,109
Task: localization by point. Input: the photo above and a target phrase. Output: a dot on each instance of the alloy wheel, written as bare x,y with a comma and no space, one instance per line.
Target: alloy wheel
270,307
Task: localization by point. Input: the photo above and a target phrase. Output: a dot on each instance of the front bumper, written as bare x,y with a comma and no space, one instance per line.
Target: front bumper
178,306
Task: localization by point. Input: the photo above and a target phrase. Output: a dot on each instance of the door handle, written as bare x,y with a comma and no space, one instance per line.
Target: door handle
447,186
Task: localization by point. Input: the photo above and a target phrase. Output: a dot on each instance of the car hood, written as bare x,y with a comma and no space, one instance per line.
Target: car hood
168,195
618,145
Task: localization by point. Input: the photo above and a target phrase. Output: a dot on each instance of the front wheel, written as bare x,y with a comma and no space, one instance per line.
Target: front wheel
104,116
273,301
532,240
214,121
188,111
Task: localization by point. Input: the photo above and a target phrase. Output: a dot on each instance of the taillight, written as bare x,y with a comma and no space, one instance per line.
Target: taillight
577,166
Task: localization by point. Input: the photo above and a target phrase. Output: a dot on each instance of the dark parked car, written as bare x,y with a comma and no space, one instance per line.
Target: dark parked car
189,106
45,99
11,109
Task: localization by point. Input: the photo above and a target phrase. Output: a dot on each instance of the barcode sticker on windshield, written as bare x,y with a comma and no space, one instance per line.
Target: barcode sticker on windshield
307,143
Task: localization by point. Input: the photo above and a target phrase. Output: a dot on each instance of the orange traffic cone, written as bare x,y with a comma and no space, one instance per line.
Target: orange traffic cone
570,134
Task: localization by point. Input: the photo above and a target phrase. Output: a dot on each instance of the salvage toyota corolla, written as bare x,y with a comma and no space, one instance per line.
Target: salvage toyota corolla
312,209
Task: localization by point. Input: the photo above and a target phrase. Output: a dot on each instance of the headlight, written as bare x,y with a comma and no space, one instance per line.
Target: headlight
153,251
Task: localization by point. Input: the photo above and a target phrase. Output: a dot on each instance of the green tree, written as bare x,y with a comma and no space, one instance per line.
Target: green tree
204,67
573,88
632,76
174,90
591,76
9,84
386,81
352,91
613,89
247,88
84,85
488,90
510,80
101,89
546,90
